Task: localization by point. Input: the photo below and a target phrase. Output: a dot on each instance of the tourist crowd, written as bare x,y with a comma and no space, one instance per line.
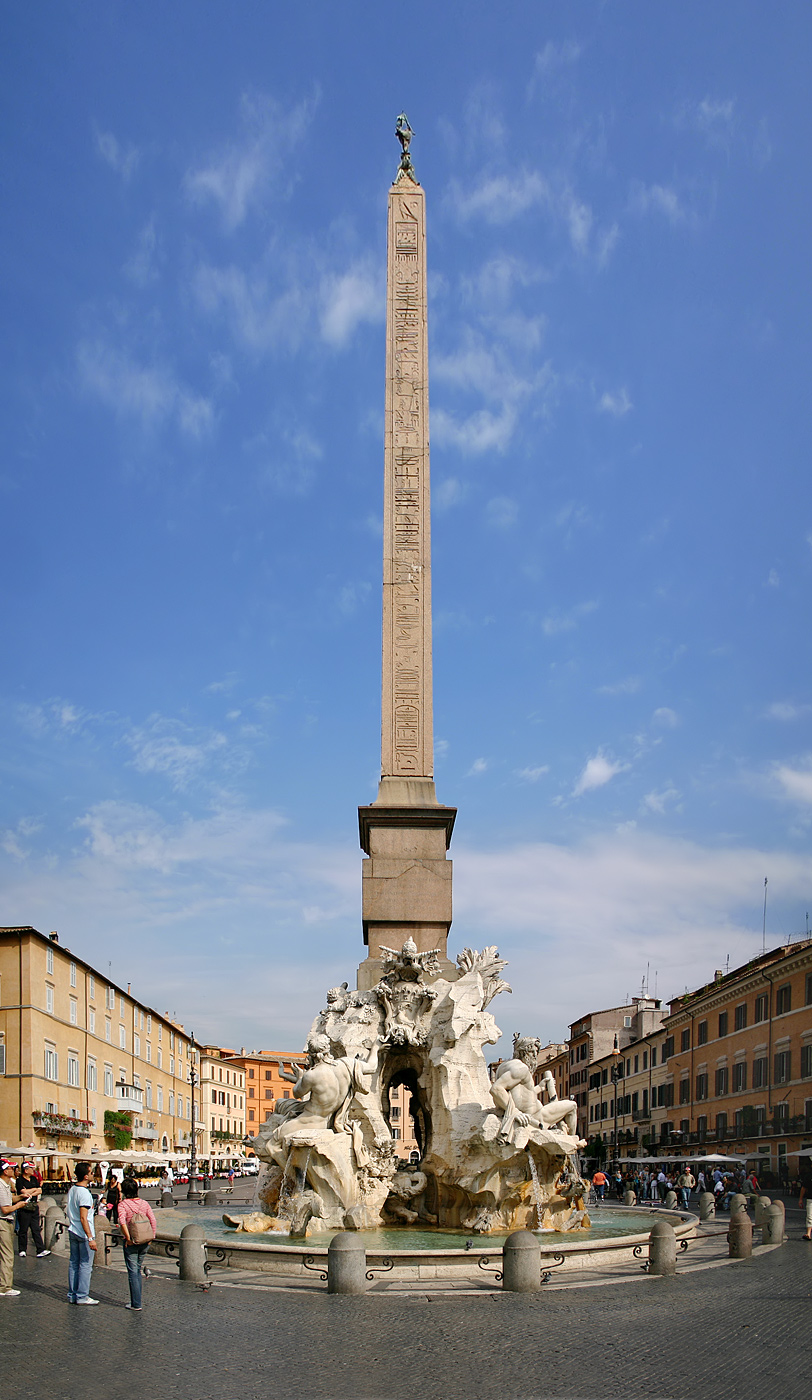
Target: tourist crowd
653,1184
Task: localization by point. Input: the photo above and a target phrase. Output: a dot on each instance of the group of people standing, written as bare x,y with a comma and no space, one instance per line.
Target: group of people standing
133,1215
654,1184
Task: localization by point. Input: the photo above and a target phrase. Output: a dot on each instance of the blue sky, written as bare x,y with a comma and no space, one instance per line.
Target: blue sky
193,245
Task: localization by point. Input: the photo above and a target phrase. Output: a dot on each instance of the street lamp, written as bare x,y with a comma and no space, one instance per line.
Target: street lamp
194,1193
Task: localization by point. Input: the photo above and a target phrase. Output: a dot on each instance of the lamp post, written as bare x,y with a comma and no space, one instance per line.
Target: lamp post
194,1193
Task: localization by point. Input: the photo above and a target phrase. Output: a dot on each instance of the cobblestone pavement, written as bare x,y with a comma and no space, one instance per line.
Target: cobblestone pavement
735,1331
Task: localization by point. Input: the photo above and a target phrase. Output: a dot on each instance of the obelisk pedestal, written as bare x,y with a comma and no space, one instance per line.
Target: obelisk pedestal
406,832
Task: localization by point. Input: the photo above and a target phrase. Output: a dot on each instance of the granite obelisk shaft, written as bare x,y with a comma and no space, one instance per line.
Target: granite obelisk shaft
406,832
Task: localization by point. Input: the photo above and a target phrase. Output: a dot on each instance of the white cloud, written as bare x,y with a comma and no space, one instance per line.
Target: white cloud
773,580
532,775
658,801
352,596
712,117
556,623
122,160
598,771
261,317
150,393
350,298
659,199
786,710
499,198
482,431
796,782
289,460
618,404
554,56
449,492
629,686
669,719
141,267
239,174
478,766
175,750
501,512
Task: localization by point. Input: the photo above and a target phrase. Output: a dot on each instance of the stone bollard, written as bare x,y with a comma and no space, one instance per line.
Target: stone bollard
738,1202
662,1249
104,1229
56,1239
193,1254
629,1198
167,1200
521,1263
346,1264
739,1234
707,1206
671,1201
210,1198
763,1204
772,1231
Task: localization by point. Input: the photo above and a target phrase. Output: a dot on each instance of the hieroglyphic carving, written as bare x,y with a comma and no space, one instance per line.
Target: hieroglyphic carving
407,719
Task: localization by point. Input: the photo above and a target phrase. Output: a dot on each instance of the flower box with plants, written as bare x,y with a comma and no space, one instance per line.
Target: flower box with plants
62,1123
118,1125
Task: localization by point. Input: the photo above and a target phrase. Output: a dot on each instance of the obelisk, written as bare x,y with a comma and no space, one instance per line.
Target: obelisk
406,832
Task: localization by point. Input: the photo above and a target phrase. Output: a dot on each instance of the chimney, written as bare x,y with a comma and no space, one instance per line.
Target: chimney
129,984
717,976
54,937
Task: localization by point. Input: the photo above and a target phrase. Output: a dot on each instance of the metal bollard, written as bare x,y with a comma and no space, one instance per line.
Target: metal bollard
193,1254
763,1204
707,1206
346,1264
662,1249
629,1198
739,1234
772,1231
521,1263
56,1228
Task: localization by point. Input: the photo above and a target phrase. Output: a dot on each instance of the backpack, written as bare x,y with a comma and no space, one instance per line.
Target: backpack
140,1228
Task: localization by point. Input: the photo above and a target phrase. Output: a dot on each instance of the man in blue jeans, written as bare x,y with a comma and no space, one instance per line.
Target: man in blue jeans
82,1236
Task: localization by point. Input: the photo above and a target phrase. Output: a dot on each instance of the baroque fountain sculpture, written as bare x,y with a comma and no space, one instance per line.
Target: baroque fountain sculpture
495,1157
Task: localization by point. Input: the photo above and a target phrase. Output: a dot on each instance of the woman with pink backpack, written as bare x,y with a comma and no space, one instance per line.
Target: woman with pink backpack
138,1226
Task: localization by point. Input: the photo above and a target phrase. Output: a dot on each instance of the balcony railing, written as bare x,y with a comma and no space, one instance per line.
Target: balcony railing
62,1124
129,1096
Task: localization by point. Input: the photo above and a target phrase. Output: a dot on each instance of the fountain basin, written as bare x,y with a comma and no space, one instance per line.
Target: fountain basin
426,1254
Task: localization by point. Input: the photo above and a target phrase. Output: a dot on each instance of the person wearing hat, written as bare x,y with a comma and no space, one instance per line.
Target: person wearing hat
28,1215
10,1200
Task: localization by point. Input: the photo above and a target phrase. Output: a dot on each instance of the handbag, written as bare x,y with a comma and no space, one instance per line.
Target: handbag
140,1228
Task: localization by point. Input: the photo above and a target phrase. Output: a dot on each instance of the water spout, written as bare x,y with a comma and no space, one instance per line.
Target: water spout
534,1177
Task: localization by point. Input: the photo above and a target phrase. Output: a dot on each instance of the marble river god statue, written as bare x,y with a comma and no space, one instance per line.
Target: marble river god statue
495,1155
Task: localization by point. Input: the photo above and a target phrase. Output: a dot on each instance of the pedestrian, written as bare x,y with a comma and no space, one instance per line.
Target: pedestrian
139,1227
600,1183
28,1213
167,1198
701,1184
685,1185
10,1200
113,1197
231,1178
806,1196
82,1236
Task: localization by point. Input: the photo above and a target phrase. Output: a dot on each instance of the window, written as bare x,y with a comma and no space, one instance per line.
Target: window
149,1053
701,1087
286,1094
250,1093
685,1091
91,1021
122,1038
627,1023
172,1040
171,1064
760,1075
721,1082
645,1059
49,999
636,1063
783,1067
136,1044
806,1061
91,986
160,1058
108,1081
722,1024
92,1075
269,1093
267,1116
760,1013
108,1030
250,1115
120,1007
701,1126
740,1016
808,991
668,1048
783,1000
51,1062
396,1134
395,1112
74,1011
604,1076
148,1094
721,1124
171,1104
2,1057
73,974
73,1070
702,1033
160,1031
653,1056
110,999
685,1040
739,1076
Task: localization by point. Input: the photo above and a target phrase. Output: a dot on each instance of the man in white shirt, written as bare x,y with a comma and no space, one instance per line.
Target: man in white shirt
10,1200
82,1236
